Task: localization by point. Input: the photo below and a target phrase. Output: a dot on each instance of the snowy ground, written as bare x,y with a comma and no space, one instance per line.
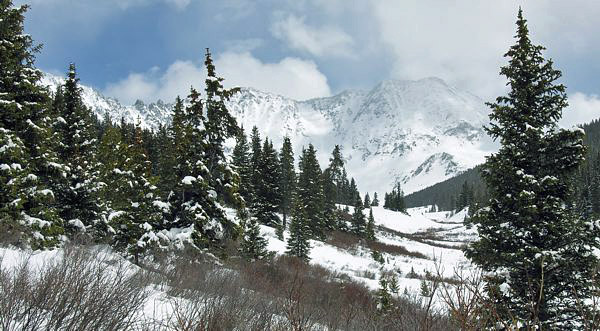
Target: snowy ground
437,236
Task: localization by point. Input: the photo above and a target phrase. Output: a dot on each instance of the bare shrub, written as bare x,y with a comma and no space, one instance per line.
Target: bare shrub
343,240
394,250
80,291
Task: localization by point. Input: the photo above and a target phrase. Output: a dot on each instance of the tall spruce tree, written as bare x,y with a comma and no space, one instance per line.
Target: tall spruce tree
194,200
241,161
536,251
255,159
330,213
310,191
219,125
358,222
353,194
287,179
166,159
336,172
80,207
26,133
298,244
370,230
267,194
137,214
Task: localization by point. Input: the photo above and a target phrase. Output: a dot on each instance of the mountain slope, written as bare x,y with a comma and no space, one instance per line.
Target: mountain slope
416,132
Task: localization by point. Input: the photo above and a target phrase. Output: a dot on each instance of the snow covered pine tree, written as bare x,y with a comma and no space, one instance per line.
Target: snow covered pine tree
536,251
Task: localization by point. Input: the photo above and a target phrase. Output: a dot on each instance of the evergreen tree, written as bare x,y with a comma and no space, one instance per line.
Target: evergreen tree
336,172
367,201
359,222
375,202
15,184
25,120
205,178
137,214
399,199
298,242
79,197
287,184
330,214
166,160
353,194
370,230
178,135
255,159
267,196
219,125
384,298
241,161
310,191
253,245
346,195
536,251
194,201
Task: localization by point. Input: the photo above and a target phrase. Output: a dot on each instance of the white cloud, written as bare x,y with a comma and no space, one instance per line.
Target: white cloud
135,86
122,4
326,40
463,41
243,45
291,77
181,4
582,109
150,86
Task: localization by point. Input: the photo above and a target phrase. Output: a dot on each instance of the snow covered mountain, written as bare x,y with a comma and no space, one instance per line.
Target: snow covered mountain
416,132
149,116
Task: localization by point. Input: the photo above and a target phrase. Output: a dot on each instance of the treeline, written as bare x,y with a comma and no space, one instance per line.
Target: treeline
65,174
468,188
587,178
446,195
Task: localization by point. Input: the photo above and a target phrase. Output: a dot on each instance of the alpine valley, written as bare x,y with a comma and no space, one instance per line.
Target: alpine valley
417,133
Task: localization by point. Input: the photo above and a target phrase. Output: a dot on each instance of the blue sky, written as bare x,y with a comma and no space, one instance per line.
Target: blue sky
151,49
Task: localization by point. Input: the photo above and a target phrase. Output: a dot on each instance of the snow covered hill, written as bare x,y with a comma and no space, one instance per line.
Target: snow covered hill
430,238
416,132
411,245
